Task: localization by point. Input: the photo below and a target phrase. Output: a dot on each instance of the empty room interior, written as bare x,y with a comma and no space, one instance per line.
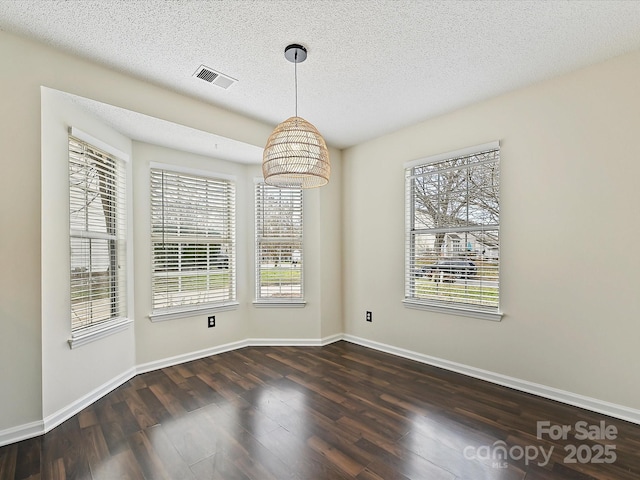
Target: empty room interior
320,239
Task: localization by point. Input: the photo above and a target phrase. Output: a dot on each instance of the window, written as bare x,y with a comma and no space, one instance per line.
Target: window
97,206
193,241
452,232
279,259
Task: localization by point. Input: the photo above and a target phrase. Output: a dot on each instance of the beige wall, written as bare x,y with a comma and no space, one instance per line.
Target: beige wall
68,375
569,220
160,340
569,223
322,315
20,329
41,376
330,251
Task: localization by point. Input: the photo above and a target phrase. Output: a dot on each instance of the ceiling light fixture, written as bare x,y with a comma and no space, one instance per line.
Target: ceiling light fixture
296,155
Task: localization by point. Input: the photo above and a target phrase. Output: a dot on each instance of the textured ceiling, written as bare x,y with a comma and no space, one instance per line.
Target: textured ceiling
374,66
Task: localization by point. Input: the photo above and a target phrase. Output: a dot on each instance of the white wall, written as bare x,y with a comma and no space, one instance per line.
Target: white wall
569,221
68,375
569,218
292,322
322,315
30,66
161,340
20,307
330,248
41,375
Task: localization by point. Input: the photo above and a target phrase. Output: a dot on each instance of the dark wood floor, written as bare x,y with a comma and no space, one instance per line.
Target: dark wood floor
306,413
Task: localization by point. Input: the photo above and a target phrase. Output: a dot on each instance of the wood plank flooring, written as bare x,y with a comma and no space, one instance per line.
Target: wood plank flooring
310,413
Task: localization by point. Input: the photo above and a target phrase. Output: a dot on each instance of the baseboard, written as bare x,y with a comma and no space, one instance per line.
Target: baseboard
188,357
227,347
70,410
332,339
21,432
33,429
294,342
569,398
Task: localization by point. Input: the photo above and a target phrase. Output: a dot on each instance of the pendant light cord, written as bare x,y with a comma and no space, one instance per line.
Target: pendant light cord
295,74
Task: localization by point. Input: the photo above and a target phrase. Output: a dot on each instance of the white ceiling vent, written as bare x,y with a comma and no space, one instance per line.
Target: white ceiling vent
212,76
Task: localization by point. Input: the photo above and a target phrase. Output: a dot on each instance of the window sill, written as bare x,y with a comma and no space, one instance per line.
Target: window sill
91,334
279,304
465,312
192,312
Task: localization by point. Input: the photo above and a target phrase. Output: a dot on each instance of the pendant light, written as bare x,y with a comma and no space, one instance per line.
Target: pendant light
296,155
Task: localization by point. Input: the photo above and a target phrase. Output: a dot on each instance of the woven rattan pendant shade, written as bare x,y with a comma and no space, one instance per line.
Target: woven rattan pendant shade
296,156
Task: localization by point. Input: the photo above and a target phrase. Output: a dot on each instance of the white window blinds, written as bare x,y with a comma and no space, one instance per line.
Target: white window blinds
452,230
193,241
97,206
279,252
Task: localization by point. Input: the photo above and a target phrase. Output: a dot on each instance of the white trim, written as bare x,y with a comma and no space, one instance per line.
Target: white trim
188,357
130,299
192,171
192,312
454,310
279,304
331,339
21,432
454,154
96,332
593,404
95,142
260,200
70,410
33,429
293,342
227,347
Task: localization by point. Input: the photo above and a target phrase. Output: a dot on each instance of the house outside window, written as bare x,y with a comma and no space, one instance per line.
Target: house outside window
193,241
452,232
97,221
279,245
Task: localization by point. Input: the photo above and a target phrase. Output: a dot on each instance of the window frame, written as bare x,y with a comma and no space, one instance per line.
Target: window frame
297,194
162,313
119,240
445,304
